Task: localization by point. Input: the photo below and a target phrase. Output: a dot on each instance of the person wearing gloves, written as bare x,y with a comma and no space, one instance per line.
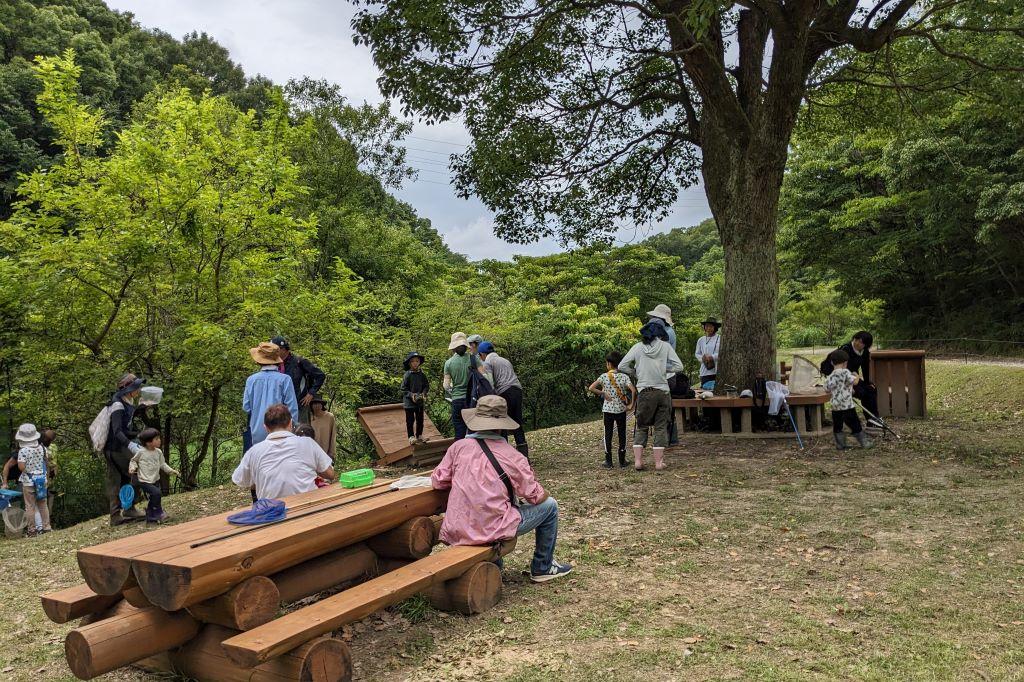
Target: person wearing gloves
648,361
486,477
707,350
146,464
456,379
119,448
415,386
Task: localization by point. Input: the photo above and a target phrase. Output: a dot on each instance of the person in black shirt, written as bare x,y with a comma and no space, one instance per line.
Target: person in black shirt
859,350
414,392
306,377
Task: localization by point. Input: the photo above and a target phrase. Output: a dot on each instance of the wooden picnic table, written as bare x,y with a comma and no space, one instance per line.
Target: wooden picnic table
808,411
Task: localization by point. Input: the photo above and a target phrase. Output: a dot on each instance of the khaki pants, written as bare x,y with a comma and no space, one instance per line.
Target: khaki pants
653,410
32,505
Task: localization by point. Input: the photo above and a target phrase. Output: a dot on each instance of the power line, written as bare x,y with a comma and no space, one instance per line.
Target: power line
427,139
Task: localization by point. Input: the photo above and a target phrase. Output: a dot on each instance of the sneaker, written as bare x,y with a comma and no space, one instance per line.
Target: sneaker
557,570
133,513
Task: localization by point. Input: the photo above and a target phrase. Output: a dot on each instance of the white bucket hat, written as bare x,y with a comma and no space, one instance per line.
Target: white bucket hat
458,339
663,311
27,434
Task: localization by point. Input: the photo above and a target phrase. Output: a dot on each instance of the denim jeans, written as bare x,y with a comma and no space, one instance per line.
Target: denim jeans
154,509
544,518
458,405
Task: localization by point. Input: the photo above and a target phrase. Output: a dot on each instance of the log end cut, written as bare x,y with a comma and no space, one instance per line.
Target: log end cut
105,574
326,660
477,590
164,585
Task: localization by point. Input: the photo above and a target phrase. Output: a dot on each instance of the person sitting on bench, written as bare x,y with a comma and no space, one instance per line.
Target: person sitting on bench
487,476
859,352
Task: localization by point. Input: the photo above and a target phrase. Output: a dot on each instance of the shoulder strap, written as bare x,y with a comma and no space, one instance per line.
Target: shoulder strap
502,476
615,385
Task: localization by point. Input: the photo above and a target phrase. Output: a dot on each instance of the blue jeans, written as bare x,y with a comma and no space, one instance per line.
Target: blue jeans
544,518
458,405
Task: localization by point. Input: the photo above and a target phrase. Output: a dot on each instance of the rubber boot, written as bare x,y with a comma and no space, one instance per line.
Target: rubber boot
638,457
659,459
864,441
622,459
607,459
841,441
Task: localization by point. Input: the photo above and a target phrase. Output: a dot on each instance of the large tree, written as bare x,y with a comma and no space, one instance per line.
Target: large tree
590,114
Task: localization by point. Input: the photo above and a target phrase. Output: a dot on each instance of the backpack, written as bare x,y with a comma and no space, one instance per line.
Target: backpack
99,430
679,386
479,386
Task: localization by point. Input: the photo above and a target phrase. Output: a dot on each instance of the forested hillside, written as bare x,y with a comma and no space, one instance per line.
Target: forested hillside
163,212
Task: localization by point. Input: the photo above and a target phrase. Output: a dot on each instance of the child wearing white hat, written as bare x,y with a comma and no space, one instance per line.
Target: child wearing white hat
32,462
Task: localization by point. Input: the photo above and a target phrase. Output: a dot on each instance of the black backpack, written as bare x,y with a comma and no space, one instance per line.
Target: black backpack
679,386
479,386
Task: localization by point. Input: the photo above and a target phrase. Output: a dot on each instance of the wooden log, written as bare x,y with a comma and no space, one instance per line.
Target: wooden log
437,520
325,572
75,602
126,637
121,607
181,576
247,605
251,648
135,597
321,660
475,591
414,539
107,568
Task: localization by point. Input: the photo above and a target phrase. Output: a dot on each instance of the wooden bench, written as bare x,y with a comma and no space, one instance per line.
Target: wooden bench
808,411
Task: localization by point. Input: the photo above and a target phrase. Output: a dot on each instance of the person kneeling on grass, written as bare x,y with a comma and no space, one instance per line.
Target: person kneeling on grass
147,464
840,384
487,476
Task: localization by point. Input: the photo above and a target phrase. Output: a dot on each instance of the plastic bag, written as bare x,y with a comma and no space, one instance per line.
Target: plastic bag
776,396
150,395
264,510
411,482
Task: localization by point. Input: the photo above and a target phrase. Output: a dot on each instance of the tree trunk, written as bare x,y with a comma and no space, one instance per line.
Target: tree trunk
743,185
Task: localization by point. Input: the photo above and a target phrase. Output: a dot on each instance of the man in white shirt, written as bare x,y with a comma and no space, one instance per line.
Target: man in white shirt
707,350
283,464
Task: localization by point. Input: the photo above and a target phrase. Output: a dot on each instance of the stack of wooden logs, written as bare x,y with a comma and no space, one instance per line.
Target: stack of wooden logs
201,599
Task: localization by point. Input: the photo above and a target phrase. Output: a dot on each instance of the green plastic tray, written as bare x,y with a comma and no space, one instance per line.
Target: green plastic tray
356,478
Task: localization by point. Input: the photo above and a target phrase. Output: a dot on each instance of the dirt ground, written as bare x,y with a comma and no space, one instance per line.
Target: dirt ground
746,559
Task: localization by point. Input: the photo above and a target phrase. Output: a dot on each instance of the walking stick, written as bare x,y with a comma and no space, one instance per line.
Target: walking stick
793,422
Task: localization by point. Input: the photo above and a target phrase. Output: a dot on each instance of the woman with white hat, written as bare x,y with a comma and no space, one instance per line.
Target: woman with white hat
32,462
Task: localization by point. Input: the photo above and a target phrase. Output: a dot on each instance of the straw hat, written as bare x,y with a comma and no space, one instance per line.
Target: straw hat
661,311
490,414
266,353
27,433
458,339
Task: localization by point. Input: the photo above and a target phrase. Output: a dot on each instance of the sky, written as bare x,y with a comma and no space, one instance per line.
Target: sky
284,39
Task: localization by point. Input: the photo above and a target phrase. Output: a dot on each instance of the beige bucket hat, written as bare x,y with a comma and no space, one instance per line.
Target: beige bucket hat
458,339
27,433
266,353
490,414
663,311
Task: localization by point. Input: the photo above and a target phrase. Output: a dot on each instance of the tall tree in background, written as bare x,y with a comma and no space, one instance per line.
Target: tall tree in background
589,113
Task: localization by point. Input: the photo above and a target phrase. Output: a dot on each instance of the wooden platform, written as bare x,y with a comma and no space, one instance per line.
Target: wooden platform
385,425
808,411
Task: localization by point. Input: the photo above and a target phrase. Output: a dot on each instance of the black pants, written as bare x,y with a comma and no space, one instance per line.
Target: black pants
154,509
514,397
612,421
848,417
867,394
414,415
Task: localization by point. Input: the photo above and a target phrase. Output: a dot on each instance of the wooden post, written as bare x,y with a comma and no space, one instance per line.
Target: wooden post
321,660
801,417
249,649
746,417
325,572
414,539
726,414
243,607
181,576
475,591
817,412
679,414
75,602
135,597
127,636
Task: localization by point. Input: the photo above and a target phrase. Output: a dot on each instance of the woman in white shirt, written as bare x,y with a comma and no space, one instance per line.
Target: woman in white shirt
707,350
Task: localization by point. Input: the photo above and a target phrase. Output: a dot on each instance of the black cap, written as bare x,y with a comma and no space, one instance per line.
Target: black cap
281,342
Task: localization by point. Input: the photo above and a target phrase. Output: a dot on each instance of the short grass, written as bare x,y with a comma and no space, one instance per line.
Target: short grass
745,560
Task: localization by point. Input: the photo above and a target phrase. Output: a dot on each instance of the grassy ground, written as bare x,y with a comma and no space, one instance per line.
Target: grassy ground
745,560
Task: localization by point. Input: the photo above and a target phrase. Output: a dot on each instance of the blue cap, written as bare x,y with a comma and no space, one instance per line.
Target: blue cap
485,347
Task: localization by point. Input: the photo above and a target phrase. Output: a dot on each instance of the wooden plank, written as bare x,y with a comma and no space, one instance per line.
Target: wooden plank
252,648
180,576
385,425
915,388
899,387
904,354
107,567
881,375
75,602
